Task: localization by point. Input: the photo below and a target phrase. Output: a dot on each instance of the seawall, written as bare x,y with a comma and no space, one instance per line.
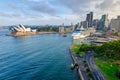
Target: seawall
75,62
29,33
21,34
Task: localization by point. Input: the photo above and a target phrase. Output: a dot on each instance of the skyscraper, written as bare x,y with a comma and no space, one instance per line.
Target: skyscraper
115,24
104,22
84,24
89,19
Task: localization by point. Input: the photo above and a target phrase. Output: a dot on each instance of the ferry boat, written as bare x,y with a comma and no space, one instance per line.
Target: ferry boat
78,35
83,33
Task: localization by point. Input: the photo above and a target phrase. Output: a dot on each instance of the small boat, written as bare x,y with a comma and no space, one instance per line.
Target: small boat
64,35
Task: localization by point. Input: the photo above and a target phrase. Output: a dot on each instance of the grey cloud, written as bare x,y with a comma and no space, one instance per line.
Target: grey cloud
39,0
35,16
21,8
78,6
108,5
44,8
20,16
12,5
23,12
9,15
16,15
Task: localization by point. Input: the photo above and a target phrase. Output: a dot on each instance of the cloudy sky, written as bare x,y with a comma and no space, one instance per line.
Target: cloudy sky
41,12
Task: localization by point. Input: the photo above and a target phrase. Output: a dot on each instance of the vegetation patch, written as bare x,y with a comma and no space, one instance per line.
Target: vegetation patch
75,48
108,56
109,69
82,49
109,51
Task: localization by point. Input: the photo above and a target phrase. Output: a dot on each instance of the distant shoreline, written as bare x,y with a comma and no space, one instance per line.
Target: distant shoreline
17,34
46,32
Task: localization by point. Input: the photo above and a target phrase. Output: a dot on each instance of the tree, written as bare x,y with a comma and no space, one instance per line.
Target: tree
118,73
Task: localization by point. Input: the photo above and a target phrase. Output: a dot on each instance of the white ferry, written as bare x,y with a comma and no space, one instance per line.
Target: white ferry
83,33
78,35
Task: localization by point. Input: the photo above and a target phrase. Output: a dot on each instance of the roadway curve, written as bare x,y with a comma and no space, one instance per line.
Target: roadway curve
97,74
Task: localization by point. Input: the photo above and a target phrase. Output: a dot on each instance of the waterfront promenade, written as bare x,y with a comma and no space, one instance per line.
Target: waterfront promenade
88,57
81,73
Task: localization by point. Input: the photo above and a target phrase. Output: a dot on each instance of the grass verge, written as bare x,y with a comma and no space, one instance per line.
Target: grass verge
108,69
77,51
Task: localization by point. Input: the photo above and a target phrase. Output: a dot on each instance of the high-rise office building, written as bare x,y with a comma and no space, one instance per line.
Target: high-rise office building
96,23
104,22
72,27
89,19
84,24
115,24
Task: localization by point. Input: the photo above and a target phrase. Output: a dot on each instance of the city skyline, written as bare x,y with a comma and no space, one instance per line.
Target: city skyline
55,12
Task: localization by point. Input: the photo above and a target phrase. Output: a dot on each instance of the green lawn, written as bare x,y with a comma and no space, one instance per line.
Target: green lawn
75,48
108,69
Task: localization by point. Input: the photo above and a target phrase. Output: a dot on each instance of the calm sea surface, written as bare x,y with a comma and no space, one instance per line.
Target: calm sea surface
37,57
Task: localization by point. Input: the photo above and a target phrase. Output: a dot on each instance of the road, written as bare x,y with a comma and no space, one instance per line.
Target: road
82,68
97,75
88,57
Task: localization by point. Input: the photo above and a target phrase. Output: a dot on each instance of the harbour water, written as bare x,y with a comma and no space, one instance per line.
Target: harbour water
37,57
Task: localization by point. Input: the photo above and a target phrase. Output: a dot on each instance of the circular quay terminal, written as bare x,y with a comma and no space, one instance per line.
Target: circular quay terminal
60,40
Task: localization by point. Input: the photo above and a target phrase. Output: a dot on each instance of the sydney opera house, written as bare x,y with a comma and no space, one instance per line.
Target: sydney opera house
21,28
